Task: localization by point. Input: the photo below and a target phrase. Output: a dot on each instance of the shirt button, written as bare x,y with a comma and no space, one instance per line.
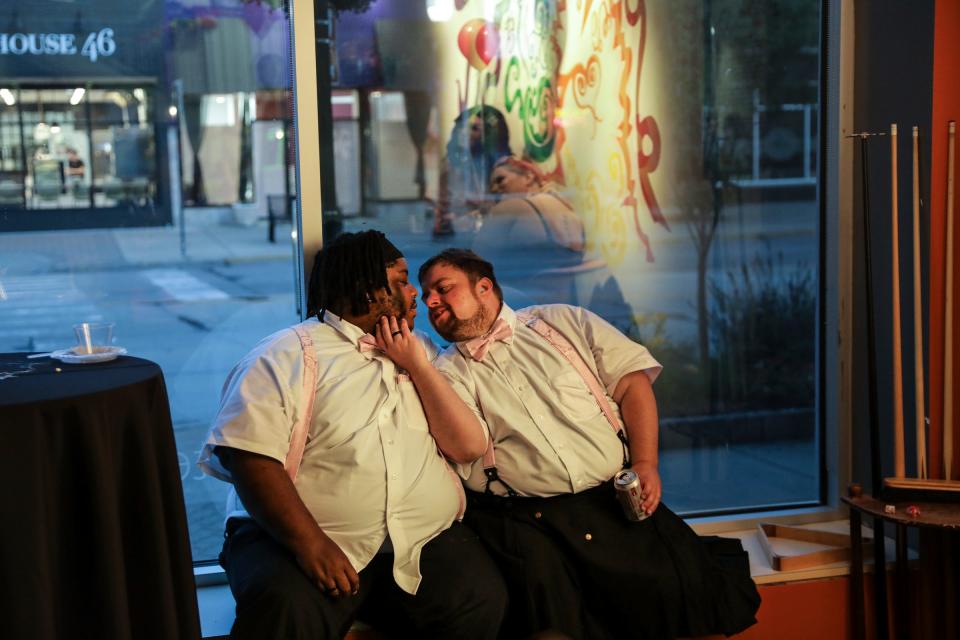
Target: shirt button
538,515
588,537
390,441
394,476
560,446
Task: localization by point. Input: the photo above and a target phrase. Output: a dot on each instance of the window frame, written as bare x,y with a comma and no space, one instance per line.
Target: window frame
835,308
835,259
835,301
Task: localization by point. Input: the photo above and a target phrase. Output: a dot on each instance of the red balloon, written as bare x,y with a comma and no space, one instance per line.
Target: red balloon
487,43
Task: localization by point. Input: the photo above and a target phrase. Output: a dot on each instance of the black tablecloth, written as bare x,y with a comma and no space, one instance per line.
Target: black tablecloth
94,537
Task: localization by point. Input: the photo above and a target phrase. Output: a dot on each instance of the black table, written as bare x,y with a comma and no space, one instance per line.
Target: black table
94,538
933,517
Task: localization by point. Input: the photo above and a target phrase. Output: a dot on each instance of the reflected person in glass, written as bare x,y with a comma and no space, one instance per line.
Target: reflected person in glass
538,242
365,520
479,137
529,199
568,401
532,232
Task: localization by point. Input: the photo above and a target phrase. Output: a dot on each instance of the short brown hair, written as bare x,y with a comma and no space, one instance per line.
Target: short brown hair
467,261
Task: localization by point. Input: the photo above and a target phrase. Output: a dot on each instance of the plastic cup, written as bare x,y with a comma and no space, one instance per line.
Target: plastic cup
93,337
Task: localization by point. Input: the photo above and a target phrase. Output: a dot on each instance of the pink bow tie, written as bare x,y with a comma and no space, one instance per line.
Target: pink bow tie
367,343
478,347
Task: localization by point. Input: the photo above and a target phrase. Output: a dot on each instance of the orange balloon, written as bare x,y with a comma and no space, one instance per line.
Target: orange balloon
467,42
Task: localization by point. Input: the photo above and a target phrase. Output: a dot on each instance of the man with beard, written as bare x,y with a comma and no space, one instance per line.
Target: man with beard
568,402
363,520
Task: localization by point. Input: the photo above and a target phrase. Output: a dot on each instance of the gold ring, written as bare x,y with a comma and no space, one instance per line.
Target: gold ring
396,333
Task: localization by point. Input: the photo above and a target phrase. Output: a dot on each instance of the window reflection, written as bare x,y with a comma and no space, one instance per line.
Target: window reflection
77,148
674,149
12,156
147,179
656,163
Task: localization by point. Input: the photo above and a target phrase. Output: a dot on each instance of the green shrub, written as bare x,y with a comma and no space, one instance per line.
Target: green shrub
762,333
681,389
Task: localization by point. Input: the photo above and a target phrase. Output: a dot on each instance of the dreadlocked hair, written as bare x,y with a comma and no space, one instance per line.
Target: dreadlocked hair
348,272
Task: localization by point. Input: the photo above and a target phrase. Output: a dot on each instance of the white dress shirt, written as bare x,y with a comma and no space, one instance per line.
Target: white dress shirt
550,436
370,467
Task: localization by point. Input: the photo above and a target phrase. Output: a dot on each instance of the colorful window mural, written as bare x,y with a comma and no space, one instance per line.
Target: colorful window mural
655,162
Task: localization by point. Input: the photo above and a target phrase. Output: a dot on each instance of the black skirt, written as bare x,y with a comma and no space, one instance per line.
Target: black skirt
574,565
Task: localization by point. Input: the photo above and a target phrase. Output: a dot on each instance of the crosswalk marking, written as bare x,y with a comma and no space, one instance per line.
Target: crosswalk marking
37,311
33,311
183,286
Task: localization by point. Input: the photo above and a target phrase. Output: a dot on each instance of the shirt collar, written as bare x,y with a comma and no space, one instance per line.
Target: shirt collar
509,316
345,328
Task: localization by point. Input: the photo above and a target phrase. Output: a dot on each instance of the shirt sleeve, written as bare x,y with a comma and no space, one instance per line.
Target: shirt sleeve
615,354
465,391
429,345
257,407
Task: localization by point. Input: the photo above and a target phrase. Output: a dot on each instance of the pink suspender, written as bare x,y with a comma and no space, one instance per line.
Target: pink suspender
298,438
567,350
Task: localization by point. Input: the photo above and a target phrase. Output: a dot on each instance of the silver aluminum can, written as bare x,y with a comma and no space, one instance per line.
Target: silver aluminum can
627,485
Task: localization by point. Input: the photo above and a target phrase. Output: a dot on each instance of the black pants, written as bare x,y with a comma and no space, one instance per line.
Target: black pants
576,566
462,595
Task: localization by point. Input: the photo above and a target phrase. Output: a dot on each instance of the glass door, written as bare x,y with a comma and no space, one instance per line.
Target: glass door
12,156
193,295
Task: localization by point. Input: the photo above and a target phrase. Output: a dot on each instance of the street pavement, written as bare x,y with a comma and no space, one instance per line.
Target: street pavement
195,300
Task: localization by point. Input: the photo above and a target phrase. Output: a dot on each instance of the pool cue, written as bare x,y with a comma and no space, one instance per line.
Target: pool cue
898,446
948,312
876,472
920,412
876,462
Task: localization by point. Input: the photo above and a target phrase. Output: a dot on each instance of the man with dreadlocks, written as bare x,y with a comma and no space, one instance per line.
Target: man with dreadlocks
364,520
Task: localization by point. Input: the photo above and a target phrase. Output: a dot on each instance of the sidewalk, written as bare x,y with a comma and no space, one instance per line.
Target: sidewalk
35,252
206,240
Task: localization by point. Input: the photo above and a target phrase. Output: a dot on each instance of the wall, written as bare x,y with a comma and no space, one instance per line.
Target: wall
893,84
946,106
803,610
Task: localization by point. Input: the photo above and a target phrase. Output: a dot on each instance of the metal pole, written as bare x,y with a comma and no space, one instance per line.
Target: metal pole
325,19
88,112
756,136
177,202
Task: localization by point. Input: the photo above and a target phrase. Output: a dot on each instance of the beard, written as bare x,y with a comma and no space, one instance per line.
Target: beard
404,309
457,329
397,305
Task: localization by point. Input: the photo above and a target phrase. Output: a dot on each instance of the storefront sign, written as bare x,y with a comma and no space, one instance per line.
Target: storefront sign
86,40
93,45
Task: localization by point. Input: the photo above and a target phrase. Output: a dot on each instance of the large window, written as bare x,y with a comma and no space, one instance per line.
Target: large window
151,187
77,147
664,175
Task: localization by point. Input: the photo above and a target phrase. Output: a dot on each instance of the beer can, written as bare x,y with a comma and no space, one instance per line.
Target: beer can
627,485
